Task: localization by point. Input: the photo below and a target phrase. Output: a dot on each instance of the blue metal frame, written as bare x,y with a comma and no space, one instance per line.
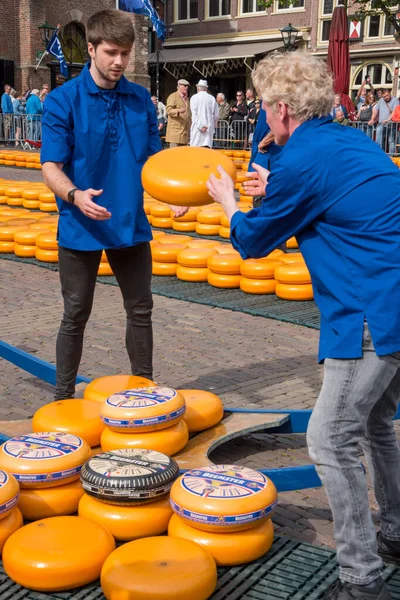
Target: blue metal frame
286,479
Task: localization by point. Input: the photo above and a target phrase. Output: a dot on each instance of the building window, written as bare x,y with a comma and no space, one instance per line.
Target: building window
251,6
380,73
325,30
378,26
289,4
219,8
73,43
326,8
187,9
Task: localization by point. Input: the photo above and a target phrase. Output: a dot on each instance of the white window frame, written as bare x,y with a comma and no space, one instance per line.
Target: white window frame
176,13
364,69
382,25
220,17
279,9
322,17
250,14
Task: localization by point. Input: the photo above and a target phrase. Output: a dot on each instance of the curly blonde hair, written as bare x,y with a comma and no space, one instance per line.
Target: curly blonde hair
299,80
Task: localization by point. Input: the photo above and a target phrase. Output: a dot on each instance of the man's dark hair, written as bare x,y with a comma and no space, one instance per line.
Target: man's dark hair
110,25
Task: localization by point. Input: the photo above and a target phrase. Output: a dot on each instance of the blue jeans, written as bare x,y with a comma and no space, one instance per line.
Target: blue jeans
357,403
386,137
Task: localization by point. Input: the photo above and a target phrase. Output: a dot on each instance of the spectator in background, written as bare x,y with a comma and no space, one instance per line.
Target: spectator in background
222,131
239,112
252,119
42,95
340,118
19,110
205,113
379,94
250,99
7,110
381,114
179,116
338,106
363,91
161,115
224,108
364,114
34,111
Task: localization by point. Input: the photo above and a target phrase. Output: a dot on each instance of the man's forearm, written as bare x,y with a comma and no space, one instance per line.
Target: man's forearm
56,180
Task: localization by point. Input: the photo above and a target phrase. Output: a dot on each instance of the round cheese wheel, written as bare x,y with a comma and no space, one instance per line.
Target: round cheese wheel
203,229
203,409
168,441
189,217
228,549
38,227
166,253
50,502
6,211
7,232
47,197
225,264
164,269
296,273
275,254
15,201
160,210
6,247
46,255
101,388
227,249
292,257
48,206
57,554
203,244
162,222
129,476
24,250
209,217
179,176
294,292
254,268
21,221
158,568
49,220
44,459
292,243
191,274
9,524
9,493
158,234
128,523
185,226
31,194
143,409
32,204
81,417
14,192
195,257
47,241
26,236
225,232
257,286
223,281
223,498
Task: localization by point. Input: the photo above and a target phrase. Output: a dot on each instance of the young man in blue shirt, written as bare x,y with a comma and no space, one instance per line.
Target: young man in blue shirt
323,189
7,110
98,131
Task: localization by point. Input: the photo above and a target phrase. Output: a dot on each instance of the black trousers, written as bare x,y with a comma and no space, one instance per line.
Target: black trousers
78,272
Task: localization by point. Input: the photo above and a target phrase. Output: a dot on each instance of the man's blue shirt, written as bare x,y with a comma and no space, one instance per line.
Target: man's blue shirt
339,194
6,104
103,139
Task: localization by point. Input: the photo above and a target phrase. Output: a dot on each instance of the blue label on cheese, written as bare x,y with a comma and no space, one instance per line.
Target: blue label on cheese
141,397
224,482
39,446
146,422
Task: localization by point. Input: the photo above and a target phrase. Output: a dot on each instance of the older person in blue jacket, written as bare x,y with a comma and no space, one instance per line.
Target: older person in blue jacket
34,110
323,189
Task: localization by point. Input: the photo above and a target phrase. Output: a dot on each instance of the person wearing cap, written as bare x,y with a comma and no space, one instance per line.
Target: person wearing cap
179,116
205,115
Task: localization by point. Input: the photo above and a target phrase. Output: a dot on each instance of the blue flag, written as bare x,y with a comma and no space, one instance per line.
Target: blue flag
144,7
54,48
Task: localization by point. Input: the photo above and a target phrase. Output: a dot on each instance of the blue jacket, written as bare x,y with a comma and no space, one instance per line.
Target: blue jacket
264,159
6,104
34,106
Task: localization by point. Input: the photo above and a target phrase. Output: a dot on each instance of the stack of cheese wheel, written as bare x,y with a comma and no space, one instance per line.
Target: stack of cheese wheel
47,467
47,202
293,282
226,509
25,242
225,227
149,417
224,270
192,263
203,409
104,266
7,233
127,491
258,276
165,258
10,515
14,195
161,216
209,220
186,223
47,247
31,198
101,388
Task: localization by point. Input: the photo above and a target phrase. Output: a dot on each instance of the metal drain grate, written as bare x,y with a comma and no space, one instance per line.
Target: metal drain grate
289,571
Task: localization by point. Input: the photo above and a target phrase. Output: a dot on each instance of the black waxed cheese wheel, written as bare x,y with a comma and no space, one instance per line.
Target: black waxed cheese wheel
129,475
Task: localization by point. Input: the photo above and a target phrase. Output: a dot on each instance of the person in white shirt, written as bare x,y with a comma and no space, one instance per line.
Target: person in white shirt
205,114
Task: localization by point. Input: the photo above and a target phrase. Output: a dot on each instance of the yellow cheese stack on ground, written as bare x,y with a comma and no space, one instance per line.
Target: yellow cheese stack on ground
168,441
9,524
175,239
104,269
101,388
159,568
81,417
47,247
7,233
31,198
56,554
143,410
203,409
25,242
47,202
164,257
192,263
186,223
228,549
293,282
128,523
223,498
292,257
224,270
46,459
258,276
9,493
50,502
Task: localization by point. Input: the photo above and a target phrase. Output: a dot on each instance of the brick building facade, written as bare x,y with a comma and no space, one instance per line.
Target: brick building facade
20,41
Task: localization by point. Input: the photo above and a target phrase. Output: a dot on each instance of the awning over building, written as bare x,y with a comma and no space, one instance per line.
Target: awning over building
226,52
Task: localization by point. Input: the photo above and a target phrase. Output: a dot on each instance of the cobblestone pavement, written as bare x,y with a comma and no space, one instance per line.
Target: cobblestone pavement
248,361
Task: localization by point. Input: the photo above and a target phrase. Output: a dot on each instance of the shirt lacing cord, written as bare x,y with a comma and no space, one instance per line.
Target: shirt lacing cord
113,106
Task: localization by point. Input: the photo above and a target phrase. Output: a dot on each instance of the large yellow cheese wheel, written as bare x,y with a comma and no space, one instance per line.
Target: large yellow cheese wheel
188,217
47,241
255,268
179,175
225,264
14,192
9,493
44,459
192,274
15,201
203,229
6,247
26,237
57,554
101,388
38,226
46,255
166,253
162,222
223,498
164,269
168,441
185,226
48,206
223,281
257,286
203,409
24,250
225,232
32,204
81,417
159,568
296,273
209,217
292,257
47,197
7,232
160,210
31,193
288,291
50,502
9,524
228,549
158,234
143,409
195,257
128,523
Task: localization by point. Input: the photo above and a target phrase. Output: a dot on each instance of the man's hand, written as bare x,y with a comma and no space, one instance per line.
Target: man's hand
266,141
84,201
178,211
257,183
182,111
204,129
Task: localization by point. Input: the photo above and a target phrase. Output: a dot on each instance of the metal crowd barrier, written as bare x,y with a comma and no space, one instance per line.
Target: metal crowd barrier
20,130
234,135
384,134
